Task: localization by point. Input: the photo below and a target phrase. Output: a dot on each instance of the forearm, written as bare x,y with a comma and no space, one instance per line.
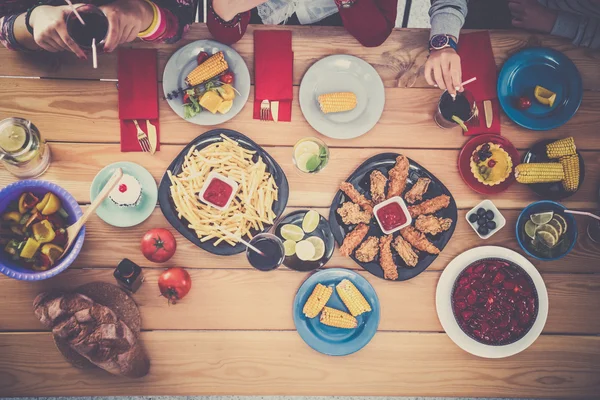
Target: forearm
447,16
14,34
174,18
370,21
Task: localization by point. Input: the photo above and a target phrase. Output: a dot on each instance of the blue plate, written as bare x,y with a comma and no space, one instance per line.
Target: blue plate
542,206
547,68
327,339
123,217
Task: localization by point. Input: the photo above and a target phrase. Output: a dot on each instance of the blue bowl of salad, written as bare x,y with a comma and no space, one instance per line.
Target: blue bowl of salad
33,219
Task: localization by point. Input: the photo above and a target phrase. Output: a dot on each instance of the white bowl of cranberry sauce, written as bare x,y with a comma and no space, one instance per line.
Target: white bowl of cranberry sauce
492,302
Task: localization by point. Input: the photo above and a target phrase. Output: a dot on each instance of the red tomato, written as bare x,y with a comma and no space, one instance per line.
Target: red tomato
174,284
523,103
186,98
202,56
227,77
158,245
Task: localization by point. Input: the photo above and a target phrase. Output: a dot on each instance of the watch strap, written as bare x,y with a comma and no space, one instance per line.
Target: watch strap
452,43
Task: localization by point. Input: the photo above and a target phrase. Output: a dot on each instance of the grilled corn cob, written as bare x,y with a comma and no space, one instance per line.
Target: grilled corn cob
338,319
561,148
539,172
317,300
213,66
570,166
352,298
337,102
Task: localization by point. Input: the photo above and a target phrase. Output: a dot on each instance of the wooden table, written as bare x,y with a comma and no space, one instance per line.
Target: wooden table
234,333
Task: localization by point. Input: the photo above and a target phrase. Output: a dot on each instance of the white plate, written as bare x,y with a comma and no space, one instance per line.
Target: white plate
443,302
342,73
183,61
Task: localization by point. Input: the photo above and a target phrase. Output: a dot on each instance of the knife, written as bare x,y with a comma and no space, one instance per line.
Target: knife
151,136
275,110
489,113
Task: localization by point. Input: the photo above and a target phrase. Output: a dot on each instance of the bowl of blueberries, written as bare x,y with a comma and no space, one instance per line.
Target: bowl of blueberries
485,219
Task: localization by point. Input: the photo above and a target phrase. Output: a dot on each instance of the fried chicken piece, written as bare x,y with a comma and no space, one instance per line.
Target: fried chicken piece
405,250
378,181
398,176
390,271
429,206
418,240
432,224
352,214
353,239
356,197
368,250
417,191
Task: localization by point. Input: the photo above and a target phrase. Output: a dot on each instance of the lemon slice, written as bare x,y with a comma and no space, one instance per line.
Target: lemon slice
305,250
530,229
225,106
546,238
303,160
557,225
307,147
319,245
562,221
289,247
541,218
310,221
12,138
544,96
292,232
550,229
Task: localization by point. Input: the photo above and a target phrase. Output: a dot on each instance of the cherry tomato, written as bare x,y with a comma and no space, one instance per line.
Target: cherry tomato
227,77
158,245
523,103
174,284
202,56
186,98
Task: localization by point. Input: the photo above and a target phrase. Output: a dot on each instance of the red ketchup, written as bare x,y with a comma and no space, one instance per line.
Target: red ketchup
391,216
217,192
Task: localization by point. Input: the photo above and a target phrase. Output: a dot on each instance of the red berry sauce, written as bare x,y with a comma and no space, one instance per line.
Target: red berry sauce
122,188
494,302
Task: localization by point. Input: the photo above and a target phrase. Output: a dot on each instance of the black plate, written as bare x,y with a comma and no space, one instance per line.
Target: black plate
360,179
554,190
168,207
323,231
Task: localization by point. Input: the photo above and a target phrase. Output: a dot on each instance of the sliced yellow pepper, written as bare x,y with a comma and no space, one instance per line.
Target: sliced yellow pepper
43,232
53,252
30,248
13,216
53,205
40,206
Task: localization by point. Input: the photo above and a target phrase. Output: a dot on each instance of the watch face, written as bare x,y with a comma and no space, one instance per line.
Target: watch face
439,41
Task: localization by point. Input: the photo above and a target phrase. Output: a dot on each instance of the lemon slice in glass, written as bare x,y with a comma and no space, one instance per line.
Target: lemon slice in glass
546,238
530,229
544,96
310,221
541,218
292,232
305,250
550,229
319,245
307,147
557,225
562,221
289,247
12,138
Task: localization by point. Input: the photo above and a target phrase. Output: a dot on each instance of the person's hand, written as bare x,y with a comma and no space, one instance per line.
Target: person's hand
228,9
442,69
126,19
529,14
50,30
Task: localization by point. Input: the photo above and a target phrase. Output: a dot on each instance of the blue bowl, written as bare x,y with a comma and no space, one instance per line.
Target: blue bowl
542,206
11,193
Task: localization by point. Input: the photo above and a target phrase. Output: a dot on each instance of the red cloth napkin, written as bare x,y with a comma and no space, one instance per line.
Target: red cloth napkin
477,59
138,94
273,71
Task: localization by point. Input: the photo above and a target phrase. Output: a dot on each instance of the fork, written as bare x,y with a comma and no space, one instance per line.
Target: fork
142,138
265,110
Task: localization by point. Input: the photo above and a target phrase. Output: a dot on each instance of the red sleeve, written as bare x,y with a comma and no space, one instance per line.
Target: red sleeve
370,21
227,32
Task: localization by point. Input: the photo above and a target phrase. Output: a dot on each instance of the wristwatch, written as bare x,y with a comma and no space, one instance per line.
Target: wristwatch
438,42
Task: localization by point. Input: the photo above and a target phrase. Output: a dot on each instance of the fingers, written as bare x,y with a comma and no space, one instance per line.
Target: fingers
456,73
439,77
428,72
70,43
113,38
516,9
131,35
448,78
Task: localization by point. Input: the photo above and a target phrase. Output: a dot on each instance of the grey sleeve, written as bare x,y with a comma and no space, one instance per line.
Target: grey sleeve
577,20
447,16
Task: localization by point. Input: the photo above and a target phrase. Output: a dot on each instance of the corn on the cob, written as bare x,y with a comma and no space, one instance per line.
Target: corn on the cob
539,172
570,166
337,102
352,298
213,66
561,148
338,319
317,300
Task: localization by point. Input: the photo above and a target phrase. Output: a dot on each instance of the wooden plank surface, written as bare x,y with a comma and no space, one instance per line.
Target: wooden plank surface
399,61
72,104
226,299
275,363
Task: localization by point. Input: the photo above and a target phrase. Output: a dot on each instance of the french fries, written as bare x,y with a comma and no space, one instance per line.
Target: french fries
251,208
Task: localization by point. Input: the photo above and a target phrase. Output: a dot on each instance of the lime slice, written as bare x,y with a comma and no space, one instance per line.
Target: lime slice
290,247
557,225
546,238
306,147
292,232
305,250
302,161
541,218
550,229
313,163
310,221
530,229
319,245
12,138
562,221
